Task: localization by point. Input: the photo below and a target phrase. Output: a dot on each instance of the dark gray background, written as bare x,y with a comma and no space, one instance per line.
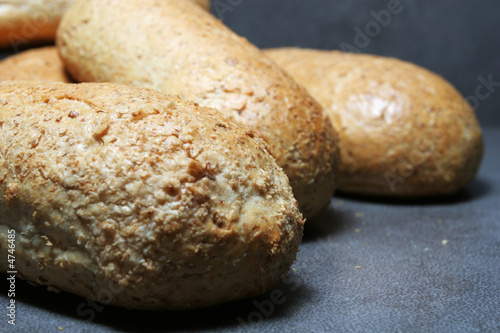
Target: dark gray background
458,39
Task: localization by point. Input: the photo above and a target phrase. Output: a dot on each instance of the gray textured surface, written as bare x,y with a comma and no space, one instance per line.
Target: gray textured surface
407,280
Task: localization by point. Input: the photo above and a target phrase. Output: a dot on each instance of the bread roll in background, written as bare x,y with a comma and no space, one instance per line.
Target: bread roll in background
41,64
403,130
139,199
28,21
176,47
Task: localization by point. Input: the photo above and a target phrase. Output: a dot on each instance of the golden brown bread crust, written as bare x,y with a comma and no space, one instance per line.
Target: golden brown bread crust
140,199
26,21
41,64
205,4
23,21
177,48
403,130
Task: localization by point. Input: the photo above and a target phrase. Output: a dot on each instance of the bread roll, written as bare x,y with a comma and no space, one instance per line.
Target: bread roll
27,21
41,64
403,130
24,21
139,199
174,47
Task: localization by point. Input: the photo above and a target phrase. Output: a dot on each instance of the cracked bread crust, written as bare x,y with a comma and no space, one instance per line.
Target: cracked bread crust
176,48
23,21
140,199
403,130
41,64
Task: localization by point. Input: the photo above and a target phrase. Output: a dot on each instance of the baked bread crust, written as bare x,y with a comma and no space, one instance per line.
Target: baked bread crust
205,4
23,21
176,48
30,20
140,199
403,130
41,64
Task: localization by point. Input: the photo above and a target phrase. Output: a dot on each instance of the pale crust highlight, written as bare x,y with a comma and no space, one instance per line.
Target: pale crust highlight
404,131
177,48
140,199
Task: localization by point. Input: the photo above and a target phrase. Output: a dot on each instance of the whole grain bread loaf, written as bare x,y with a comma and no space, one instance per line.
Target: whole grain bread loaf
403,130
139,199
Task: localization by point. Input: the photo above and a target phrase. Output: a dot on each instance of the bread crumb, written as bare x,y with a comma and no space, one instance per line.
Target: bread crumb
338,204
48,242
444,242
60,328
360,215
358,267
388,234
426,249
357,230
294,269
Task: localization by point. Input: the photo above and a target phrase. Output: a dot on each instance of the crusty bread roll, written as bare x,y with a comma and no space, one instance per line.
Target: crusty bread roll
174,47
27,21
403,130
24,21
139,199
41,64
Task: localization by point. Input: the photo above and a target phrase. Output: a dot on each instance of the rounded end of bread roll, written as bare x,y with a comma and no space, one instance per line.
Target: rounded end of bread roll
403,130
41,64
139,199
313,159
